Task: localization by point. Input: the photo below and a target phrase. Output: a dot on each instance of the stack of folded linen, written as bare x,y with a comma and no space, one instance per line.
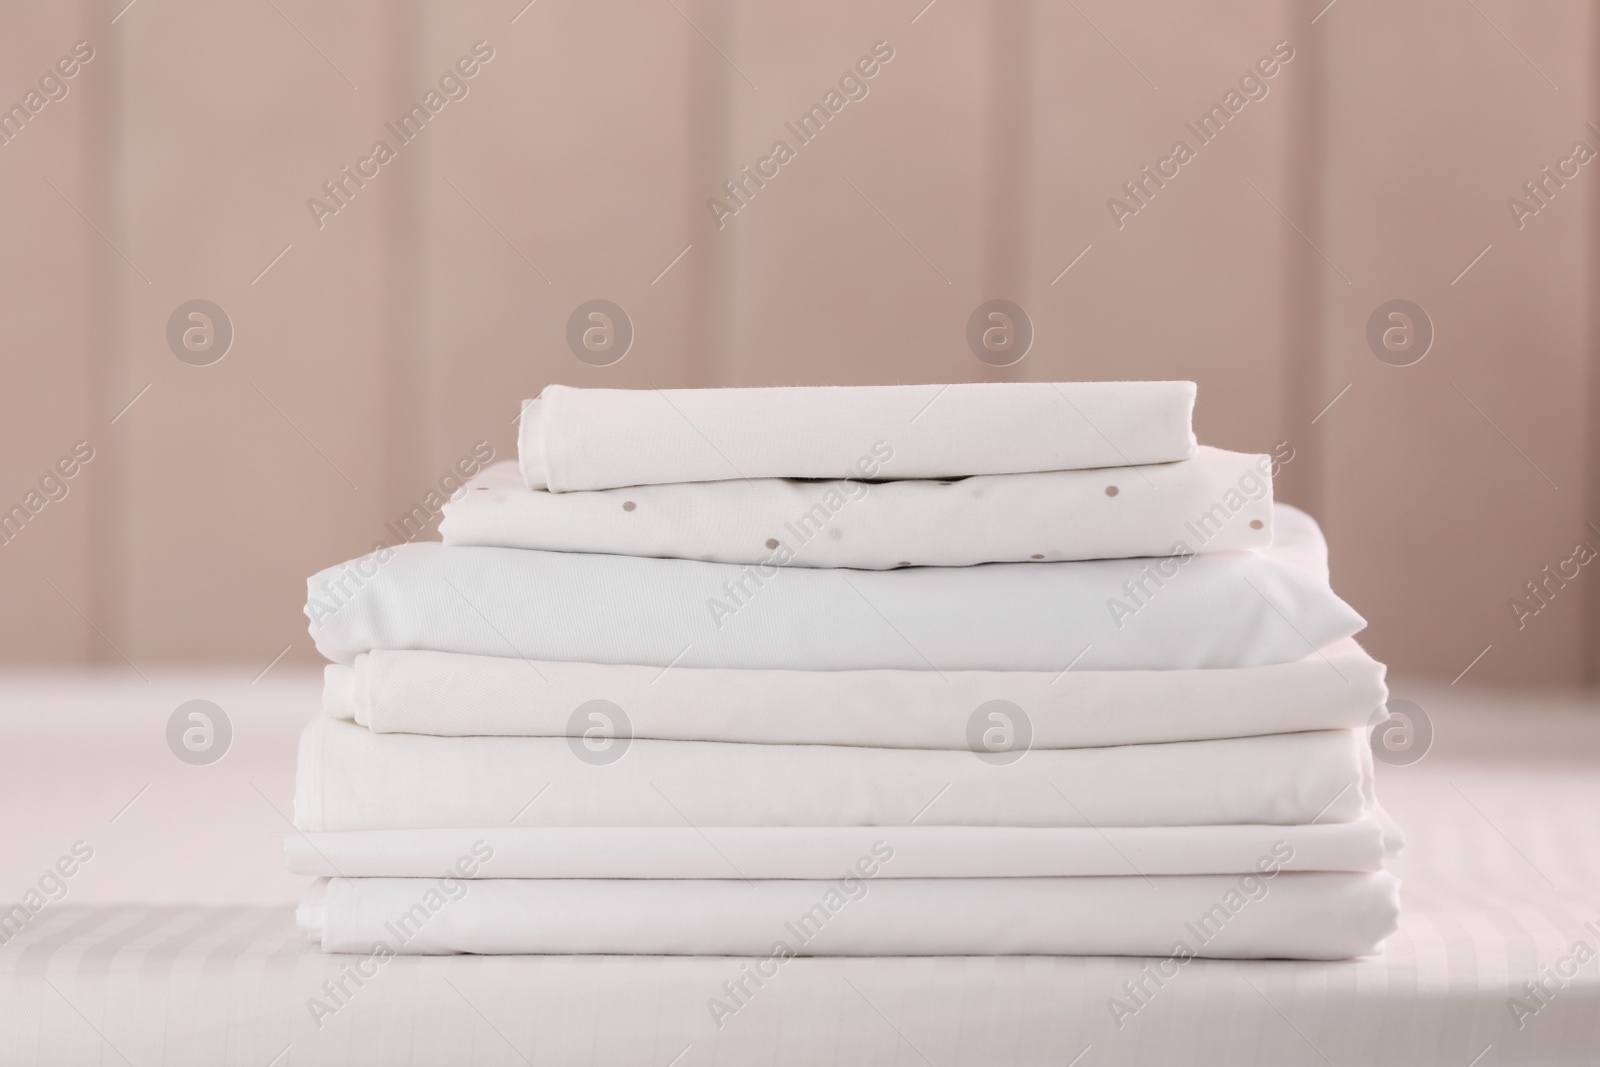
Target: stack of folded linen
972,669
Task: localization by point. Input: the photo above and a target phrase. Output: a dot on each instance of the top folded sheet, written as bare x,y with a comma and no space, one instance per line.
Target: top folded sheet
607,438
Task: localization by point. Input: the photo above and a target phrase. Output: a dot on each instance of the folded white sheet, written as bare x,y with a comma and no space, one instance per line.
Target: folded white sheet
1217,500
1224,609
451,694
830,851
1291,915
349,778
603,438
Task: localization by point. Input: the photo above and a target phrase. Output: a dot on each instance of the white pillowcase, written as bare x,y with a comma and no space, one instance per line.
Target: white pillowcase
1217,500
1222,609
601,438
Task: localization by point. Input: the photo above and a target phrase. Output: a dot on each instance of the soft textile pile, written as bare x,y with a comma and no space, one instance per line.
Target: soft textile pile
971,669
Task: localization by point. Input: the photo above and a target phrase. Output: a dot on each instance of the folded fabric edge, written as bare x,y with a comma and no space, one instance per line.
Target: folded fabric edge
348,694
530,451
311,913
1362,908
805,853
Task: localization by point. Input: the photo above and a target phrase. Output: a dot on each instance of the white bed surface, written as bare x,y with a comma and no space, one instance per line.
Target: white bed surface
204,964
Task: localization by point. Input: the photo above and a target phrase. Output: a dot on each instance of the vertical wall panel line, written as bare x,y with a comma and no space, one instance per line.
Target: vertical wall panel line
1008,161
1303,482
107,381
711,291
1590,635
407,417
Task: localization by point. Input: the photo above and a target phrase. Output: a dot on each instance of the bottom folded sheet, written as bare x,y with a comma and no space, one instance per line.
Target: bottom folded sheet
1304,915
767,852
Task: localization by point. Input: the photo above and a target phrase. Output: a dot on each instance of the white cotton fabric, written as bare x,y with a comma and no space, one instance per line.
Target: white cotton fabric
829,851
349,778
1217,500
1222,609
603,438
1289,916
451,694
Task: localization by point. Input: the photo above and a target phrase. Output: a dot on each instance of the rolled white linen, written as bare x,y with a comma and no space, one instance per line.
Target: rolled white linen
1223,609
762,852
1217,500
451,694
603,438
1292,915
349,778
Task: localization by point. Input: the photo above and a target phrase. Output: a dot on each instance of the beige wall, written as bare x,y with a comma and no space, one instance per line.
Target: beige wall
382,345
